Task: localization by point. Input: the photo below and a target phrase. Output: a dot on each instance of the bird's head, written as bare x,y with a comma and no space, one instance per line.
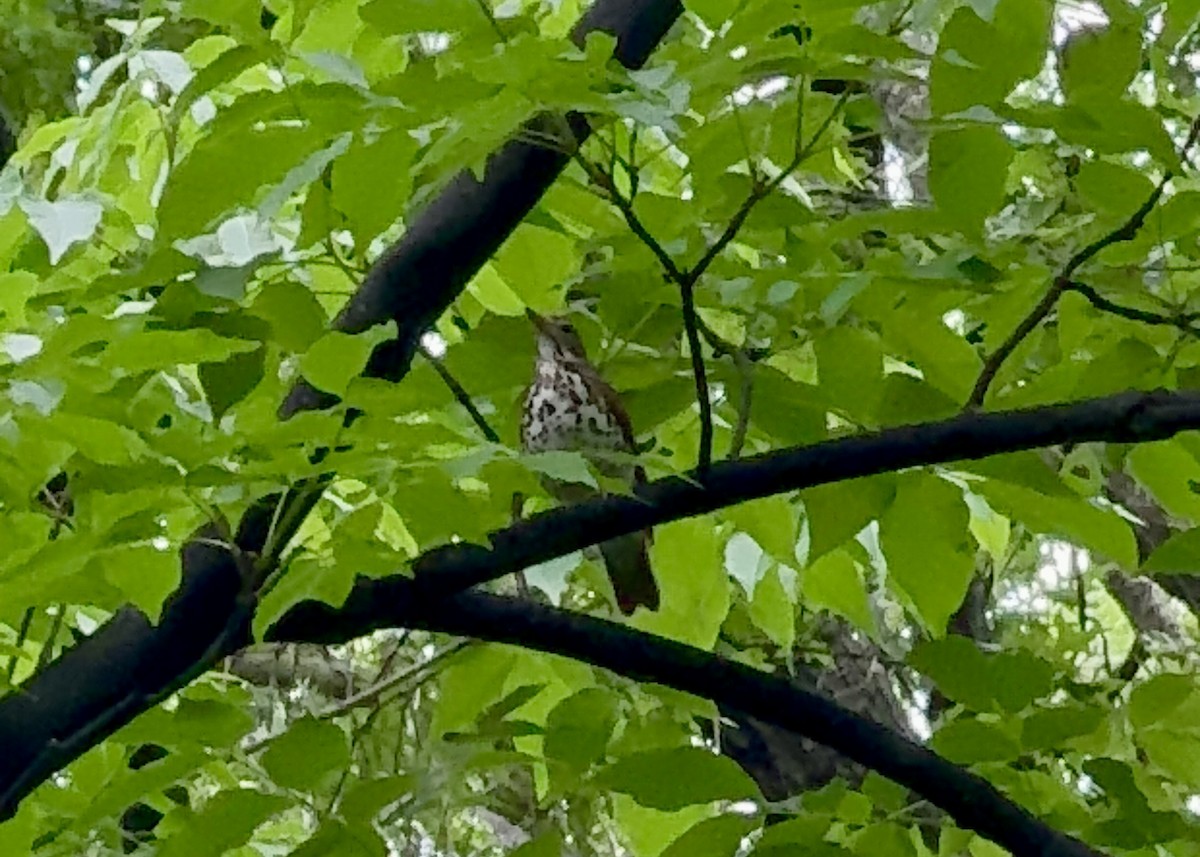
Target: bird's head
557,337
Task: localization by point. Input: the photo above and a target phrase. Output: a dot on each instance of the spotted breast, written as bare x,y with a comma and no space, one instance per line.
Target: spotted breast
570,407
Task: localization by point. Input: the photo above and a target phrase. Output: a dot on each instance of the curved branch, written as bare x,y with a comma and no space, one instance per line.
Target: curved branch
129,664
1123,418
973,802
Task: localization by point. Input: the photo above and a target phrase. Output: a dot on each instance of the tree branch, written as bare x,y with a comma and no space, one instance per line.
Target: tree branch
687,293
1124,418
128,664
1183,321
1127,231
686,280
973,802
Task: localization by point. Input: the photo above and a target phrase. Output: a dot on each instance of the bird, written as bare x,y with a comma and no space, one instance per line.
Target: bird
570,407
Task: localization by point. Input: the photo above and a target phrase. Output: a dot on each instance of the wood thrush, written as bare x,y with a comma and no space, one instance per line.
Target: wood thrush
570,407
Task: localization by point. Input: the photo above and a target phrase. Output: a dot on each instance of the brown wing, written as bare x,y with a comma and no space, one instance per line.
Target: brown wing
600,389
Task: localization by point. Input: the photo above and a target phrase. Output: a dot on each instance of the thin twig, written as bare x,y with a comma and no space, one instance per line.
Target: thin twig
412,674
491,16
761,191
688,293
745,367
22,636
1125,232
1184,321
461,395
694,326
897,23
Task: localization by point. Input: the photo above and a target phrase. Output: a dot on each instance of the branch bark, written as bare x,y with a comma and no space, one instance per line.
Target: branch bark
1123,418
129,664
973,802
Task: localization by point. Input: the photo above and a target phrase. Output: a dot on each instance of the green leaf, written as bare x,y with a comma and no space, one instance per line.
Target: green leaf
335,359
534,262
946,360
162,349
1018,678
886,837
714,12
1171,472
1098,529
470,684
689,566
850,368
1114,189
365,799
295,315
372,182
16,288
714,837
771,522
838,511
1052,728
144,574
99,440
423,16
336,839
1157,699
835,583
925,538
1176,753
209,723
305,753
253,152
561,465
226,822
547,844
979,62
968,170
578,728
671,779
1179,554
773,608
1009,680
1099,64
650,831
227,383
958,668
972,741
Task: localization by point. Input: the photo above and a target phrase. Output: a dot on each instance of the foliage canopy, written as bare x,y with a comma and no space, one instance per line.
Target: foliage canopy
180,226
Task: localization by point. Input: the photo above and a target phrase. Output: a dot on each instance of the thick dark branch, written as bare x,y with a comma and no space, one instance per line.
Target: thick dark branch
129,664
1124,418
1127,231
970,800
449,241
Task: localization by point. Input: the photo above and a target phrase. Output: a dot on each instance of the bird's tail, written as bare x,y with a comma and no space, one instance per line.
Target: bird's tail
628,562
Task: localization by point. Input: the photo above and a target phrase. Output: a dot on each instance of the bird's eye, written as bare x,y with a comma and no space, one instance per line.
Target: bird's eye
569,328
